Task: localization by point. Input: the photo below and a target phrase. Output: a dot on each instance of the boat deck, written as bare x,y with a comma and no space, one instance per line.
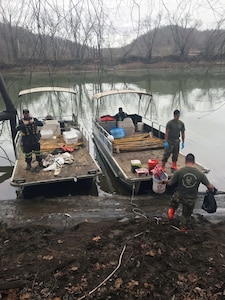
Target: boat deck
83,166
150,148
124,160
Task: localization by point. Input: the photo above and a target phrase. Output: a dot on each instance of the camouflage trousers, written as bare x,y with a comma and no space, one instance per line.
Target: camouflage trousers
188,205
174,148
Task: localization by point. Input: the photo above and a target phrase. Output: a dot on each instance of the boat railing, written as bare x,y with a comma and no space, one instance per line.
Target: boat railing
153,127
160,130
85,135
104,136
17,141
156,129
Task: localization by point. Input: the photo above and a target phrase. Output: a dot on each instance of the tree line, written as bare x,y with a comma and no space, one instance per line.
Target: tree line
37,31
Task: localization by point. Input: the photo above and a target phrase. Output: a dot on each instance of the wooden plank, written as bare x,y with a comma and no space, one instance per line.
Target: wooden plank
49,145
137,142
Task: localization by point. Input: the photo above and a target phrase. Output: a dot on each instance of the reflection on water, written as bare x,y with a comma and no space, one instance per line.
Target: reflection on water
199,97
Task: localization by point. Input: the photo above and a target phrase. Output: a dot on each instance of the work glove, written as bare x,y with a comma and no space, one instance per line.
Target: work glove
166,145
182,145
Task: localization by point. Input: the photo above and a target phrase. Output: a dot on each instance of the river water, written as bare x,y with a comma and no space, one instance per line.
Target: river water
199,96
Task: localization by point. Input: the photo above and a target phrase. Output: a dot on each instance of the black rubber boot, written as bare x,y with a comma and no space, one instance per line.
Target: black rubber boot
28,167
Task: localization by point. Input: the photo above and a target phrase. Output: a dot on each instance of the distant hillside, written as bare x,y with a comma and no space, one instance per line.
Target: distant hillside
20,46
172,43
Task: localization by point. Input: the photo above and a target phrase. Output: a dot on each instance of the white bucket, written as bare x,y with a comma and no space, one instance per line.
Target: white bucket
140,126
158,187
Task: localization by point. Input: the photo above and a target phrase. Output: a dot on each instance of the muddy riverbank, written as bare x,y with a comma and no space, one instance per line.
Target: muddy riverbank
109,247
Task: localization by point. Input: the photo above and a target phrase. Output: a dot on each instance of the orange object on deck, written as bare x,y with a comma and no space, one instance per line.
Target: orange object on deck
152,163
170,213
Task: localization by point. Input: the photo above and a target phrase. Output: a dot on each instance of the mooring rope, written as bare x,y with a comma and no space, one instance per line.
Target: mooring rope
136,210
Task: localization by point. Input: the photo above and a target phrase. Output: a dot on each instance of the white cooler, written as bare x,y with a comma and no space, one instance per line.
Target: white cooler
70,137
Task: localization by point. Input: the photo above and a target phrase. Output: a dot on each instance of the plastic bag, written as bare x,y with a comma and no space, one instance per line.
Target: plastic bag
209,203
158,173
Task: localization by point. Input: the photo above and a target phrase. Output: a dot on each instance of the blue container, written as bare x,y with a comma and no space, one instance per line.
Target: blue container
117,133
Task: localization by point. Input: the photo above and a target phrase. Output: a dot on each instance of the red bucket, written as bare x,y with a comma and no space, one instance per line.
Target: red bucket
152,163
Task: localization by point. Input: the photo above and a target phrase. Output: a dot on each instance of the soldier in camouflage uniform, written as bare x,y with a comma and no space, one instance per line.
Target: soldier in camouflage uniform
174,128
188,179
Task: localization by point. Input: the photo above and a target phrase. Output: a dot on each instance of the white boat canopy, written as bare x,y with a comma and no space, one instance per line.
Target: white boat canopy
114,92
47,89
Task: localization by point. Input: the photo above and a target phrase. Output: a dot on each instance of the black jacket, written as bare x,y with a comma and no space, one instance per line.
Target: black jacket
30,134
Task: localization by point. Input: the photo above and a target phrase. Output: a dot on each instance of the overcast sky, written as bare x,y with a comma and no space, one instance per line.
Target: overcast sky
123,19
129,14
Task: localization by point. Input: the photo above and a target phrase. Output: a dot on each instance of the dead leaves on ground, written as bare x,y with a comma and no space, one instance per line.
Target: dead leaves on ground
118,283
47,257
96,238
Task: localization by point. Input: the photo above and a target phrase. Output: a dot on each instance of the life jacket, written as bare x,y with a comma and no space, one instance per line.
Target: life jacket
30,129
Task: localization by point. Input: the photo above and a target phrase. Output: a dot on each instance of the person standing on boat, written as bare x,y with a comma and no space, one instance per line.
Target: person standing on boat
188,179
121,115
30,138
174,128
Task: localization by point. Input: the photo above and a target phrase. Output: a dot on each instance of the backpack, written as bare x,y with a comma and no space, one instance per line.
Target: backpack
209,203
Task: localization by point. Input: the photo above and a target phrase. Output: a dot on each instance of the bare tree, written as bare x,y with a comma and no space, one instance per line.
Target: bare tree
151,33
11,17
79,27
182,27
81,30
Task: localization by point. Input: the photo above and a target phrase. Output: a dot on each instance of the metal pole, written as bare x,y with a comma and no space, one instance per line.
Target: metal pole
10,113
